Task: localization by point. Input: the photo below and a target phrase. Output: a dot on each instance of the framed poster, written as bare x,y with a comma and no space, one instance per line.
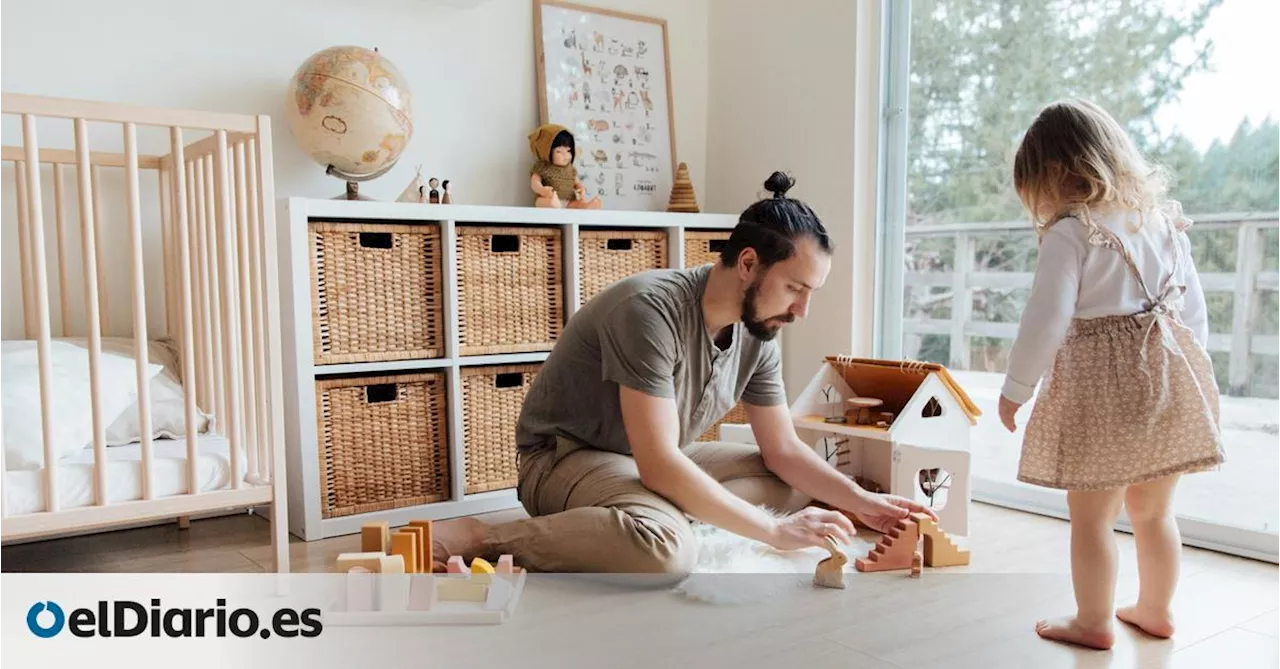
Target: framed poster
606,76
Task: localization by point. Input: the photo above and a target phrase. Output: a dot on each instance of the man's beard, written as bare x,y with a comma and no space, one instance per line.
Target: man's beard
761,328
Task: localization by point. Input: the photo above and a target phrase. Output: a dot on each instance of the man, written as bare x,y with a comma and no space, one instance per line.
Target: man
609,472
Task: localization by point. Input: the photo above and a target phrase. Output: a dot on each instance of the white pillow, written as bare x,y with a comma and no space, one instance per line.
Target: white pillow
168,397
72,416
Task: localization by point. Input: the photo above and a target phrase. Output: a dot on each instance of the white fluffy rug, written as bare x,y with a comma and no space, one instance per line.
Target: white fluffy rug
734,570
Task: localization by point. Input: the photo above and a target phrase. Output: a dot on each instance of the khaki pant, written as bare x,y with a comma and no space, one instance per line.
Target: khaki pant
590,513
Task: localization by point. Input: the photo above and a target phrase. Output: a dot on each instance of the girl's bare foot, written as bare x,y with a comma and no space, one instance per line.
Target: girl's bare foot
463,537
1068,630
1157,624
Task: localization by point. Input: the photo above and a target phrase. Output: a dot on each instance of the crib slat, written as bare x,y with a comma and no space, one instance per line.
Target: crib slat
215,296
60,225
231,360
195,384
245,298
103,288
184,291
89,255
266,205
24,250
139,302
43,334
166,248
259,334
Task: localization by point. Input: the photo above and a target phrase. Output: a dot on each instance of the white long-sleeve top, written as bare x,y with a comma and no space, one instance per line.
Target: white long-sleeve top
1075,279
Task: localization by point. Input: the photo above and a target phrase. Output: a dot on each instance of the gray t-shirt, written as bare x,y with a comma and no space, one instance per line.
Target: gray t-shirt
646,332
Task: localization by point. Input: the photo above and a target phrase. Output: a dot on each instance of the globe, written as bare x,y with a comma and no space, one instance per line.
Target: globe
350,109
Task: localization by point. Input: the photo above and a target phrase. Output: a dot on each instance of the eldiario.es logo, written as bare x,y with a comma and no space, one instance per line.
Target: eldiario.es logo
124,618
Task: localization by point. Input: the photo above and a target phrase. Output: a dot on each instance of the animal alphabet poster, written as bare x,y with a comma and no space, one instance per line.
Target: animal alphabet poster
604,75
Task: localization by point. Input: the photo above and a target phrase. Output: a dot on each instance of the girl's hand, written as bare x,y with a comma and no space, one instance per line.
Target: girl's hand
1008,409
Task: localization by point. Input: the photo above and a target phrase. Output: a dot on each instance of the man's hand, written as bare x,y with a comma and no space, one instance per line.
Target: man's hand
809,527
881,511
1008,411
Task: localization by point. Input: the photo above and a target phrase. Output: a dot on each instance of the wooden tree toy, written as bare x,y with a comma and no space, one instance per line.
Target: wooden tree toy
683,198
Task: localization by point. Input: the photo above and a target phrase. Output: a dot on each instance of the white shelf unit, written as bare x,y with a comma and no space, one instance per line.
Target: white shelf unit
301,373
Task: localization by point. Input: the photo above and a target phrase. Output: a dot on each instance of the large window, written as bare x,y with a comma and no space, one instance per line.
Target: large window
1186,78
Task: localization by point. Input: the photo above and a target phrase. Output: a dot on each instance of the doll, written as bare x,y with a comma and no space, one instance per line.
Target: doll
553,178
434,196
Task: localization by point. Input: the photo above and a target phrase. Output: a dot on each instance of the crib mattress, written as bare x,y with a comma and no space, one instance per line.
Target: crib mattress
24,489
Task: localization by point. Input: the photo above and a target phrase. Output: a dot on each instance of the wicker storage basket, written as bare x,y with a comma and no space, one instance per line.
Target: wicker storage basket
702,247
491,402
606,256
736,415
377,292
383,442
510,292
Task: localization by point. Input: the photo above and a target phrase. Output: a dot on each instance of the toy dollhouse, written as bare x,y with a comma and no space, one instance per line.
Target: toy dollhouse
902,427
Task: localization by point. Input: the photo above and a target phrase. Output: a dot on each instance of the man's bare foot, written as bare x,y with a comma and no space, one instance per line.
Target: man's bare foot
1157,624
459,536
1069,631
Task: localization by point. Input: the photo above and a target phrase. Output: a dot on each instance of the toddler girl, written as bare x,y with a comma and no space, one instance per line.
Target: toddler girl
1116,324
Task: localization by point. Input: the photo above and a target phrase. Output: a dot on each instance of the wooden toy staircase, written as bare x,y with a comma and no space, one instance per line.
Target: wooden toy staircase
896,547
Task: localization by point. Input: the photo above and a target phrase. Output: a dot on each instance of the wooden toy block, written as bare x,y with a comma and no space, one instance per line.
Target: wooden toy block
423,554
506,564
406,545
422,592
830,571
454,589
480,565
894,549
917,562
939,549
456,565
426,540
375,537
391,564
371,561
360,589
393,591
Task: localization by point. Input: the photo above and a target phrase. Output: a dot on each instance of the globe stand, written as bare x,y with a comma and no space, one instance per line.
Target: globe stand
353,181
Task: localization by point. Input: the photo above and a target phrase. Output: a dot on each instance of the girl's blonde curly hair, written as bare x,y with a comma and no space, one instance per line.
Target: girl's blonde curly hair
1075,157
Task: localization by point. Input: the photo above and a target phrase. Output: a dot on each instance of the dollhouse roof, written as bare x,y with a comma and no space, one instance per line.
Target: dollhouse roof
896,381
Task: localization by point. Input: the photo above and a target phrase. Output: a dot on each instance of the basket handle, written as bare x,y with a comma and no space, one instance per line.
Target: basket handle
716,245
504,243
376,240
618,244
381,393
508,380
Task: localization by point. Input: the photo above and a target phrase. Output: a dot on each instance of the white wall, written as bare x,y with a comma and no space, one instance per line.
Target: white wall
782,97
470,70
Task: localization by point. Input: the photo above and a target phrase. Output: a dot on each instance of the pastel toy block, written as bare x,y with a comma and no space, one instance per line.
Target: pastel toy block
375,537
506,564
360,588
894,549
393,591
481,566
456,565
422,592
371,561
405,544
939,549
454,589
391,564
422,553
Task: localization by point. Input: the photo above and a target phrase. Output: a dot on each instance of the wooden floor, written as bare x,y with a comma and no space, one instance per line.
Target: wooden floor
1226,606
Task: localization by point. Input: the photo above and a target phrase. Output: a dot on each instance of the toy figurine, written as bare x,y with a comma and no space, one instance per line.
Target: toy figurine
446,197
434,195
553,178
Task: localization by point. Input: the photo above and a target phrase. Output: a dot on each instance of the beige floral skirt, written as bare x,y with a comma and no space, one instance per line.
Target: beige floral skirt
1111,416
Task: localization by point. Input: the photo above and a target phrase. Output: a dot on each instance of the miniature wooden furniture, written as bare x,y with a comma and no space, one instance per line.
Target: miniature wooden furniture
917,562
861,410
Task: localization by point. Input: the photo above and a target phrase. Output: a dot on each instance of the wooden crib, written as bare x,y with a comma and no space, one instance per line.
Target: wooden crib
194,272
